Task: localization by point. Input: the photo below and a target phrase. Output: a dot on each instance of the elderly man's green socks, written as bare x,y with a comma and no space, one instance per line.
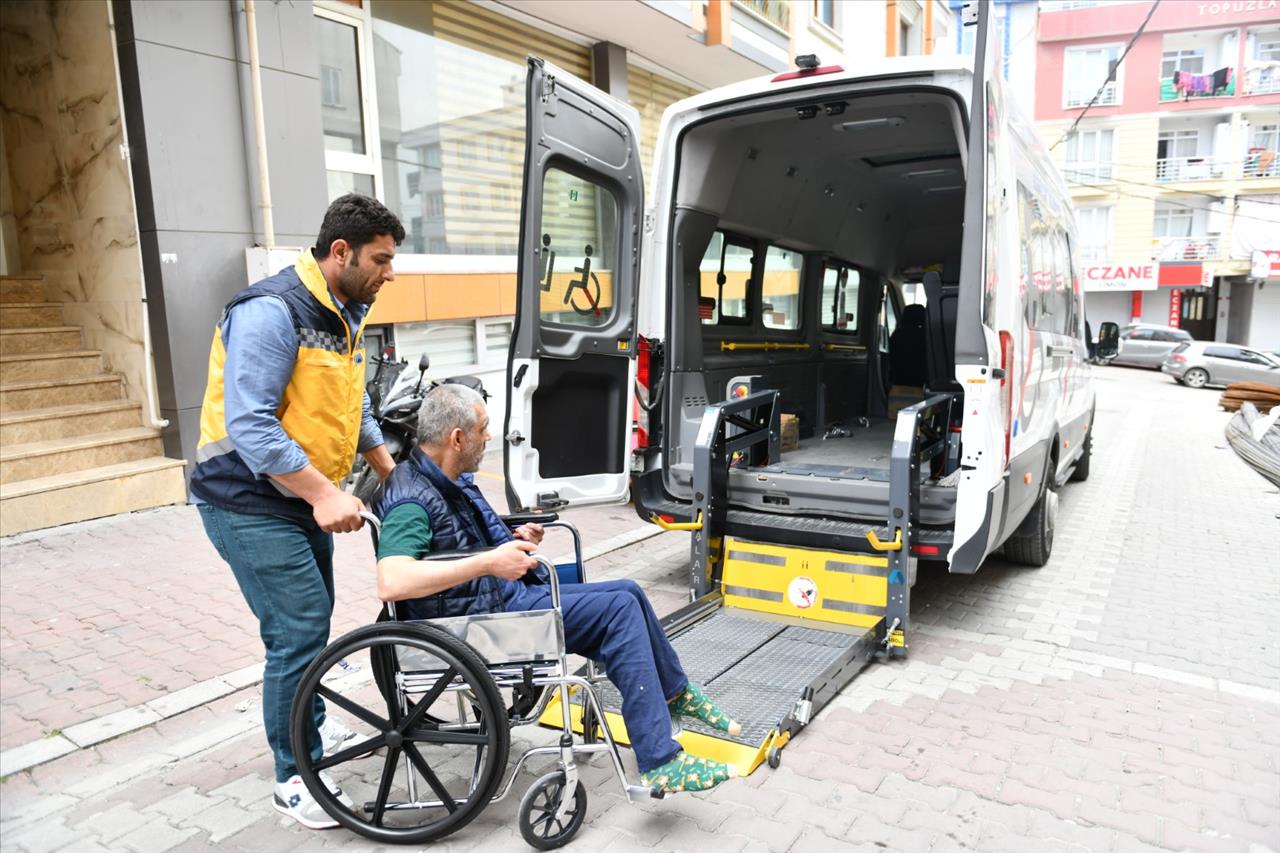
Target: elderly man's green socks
686,772
694,703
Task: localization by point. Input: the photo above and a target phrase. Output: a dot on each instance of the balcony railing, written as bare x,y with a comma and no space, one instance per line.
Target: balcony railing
1184,248
776,12
1262,163
1079,98
1093,253
1187,169
1086,172
1185,85
1261,78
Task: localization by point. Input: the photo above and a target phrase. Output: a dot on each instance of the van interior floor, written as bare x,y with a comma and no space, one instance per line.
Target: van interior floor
860,454
754,668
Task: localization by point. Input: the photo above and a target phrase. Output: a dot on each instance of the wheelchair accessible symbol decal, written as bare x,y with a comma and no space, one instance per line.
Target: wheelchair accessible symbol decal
802,592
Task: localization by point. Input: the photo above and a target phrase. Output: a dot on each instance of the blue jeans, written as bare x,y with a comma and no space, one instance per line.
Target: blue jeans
613,622
285,572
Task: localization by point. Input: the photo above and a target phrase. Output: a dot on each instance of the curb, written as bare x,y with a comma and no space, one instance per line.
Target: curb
92,732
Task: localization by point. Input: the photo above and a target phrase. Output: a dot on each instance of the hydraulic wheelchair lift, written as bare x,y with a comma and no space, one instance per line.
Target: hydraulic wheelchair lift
775,631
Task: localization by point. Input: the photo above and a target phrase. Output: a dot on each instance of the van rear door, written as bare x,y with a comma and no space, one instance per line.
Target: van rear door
571,368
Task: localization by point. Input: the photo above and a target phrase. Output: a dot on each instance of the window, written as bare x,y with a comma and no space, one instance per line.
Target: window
1168,336
1232,353
341,183
725,274
579,243
1094,227
1140,335
497,340
839,306
1173,222
780,291
330,86
1085,69
1190,60
450,91
1268,51
1088,155
415,183
338,45
825,12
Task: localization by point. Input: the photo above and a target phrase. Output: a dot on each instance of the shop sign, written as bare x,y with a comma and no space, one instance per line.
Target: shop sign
1175,308
1139,276
1264,264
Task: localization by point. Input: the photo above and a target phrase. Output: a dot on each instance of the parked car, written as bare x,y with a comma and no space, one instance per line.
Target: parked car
1145,345
1201,363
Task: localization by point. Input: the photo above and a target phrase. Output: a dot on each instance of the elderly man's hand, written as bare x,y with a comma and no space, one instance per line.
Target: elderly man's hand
529,533
511,560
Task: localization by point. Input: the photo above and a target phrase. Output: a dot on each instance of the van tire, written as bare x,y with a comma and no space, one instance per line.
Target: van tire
1032,543
1081,471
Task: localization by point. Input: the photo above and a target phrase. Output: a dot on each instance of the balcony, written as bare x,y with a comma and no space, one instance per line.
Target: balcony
1186,86
1262,163
1185,248
1086,172
1188,169
776,12
1261,78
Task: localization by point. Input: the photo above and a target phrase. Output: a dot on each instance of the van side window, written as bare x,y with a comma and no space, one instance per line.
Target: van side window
780,294
726,302
839,305
579,246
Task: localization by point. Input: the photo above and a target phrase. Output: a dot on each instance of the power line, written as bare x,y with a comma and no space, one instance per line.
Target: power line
1110,74
1234,214
1166,188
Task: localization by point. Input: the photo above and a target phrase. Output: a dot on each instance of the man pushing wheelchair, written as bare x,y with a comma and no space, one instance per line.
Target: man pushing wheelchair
430,504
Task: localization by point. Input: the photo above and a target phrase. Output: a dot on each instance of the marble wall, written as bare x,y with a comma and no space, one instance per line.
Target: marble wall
69,185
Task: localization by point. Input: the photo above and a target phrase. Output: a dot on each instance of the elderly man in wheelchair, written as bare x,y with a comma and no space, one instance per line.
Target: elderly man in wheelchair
474,609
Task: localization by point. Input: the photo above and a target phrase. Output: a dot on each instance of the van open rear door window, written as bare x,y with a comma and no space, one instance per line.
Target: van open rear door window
571,366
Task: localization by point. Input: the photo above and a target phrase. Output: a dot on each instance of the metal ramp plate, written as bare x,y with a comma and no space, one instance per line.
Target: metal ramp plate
755,667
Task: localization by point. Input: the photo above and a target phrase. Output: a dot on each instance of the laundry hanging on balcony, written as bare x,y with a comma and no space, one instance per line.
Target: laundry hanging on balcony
1215,83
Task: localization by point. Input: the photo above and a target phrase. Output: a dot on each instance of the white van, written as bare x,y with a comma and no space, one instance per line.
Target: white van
796,224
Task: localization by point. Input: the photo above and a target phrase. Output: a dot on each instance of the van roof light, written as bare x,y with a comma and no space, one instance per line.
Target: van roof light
807,61
870,123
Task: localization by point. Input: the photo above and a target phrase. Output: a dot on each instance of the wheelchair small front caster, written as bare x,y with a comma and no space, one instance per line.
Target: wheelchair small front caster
775,757
538,824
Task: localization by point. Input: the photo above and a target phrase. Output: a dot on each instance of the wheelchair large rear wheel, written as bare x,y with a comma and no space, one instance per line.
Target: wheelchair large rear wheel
430,739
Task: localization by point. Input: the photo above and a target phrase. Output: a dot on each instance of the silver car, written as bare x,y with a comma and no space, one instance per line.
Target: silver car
1145,345
1201,363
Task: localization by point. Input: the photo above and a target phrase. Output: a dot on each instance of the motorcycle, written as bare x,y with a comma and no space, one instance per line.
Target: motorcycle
396,412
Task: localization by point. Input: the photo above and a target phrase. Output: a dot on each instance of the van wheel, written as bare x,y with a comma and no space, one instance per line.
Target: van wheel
1032,543
1081,472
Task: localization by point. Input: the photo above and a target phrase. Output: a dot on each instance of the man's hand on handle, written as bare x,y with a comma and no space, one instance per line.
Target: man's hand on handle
511,560
339,512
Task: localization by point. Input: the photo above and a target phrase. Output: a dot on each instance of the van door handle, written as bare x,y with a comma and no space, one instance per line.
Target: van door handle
1058,352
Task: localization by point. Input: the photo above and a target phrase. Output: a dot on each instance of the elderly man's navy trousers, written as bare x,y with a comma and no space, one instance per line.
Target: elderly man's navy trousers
613,623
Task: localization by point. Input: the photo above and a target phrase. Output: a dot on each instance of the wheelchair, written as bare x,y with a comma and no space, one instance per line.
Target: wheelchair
434,729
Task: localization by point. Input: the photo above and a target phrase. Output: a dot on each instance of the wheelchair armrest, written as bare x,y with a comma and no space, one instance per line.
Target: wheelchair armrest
519,518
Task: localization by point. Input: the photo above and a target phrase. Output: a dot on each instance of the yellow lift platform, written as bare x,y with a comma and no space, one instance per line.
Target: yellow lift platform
776,631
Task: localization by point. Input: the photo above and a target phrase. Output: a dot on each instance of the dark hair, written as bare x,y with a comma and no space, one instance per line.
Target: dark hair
357,219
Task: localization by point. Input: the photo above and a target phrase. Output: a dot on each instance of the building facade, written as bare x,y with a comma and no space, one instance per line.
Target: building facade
1173,169
140,186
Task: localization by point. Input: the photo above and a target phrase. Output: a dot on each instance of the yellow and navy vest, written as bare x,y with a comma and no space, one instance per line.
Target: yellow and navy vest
321,407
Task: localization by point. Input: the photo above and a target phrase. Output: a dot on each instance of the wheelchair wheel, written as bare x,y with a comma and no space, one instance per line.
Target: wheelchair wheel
423,703
538,824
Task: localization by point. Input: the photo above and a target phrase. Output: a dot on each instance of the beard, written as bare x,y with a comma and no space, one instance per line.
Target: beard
354,285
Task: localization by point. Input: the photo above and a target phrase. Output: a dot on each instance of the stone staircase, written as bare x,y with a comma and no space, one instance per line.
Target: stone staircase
71,446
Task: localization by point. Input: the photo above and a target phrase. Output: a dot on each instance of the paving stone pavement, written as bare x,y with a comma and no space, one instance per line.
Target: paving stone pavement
1125,697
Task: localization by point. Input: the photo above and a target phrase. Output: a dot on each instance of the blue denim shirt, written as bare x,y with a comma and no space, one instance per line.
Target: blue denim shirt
261,347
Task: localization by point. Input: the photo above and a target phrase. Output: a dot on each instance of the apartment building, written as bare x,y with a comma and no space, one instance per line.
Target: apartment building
1173,169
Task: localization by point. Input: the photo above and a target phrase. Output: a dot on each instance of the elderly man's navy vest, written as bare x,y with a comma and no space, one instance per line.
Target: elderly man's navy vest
461,519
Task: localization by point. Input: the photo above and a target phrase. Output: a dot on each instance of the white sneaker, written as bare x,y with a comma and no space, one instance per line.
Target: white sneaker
333,734
293,799
336,791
